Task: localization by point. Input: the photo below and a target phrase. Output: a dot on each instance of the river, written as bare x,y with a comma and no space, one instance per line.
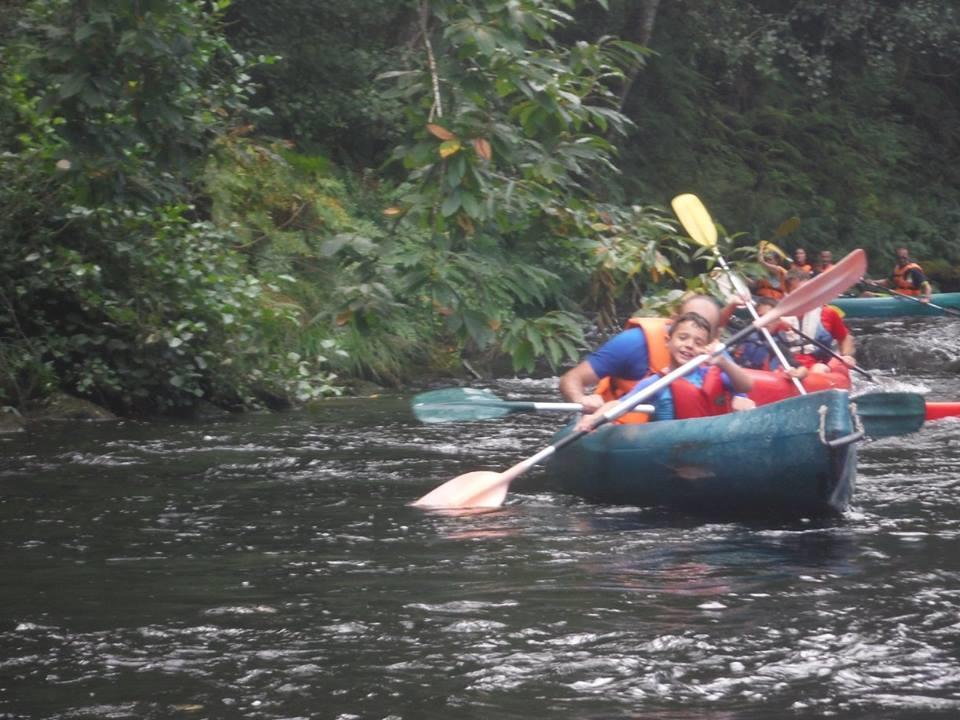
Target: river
269,566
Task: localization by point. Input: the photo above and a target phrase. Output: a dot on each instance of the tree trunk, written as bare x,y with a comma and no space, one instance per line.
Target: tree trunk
640,24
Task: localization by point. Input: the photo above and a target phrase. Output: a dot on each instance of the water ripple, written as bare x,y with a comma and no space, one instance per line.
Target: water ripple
270,566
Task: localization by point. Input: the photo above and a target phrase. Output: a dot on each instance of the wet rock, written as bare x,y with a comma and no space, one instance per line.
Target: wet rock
273,400
906,356
11,421
204,410
365,388
66,407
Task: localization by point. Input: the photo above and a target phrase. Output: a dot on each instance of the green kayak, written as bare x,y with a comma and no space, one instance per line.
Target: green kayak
890,306
793,458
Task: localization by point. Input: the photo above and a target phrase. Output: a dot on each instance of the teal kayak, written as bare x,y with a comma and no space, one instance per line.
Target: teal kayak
792,458
891,306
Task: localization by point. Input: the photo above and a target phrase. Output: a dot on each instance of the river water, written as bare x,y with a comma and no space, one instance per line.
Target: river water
269,566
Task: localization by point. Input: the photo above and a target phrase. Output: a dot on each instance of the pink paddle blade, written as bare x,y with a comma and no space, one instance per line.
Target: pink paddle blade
473,489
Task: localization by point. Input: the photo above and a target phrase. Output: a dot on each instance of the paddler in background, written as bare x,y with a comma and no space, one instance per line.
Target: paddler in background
755,352
824,324
774,284
907,278
800,263
825,262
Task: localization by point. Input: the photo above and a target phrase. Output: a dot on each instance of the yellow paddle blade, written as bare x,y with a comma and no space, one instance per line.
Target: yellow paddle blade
787,226
766,247
695,219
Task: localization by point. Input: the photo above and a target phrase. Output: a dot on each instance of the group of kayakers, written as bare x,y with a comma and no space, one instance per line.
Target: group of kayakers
907,277
818,342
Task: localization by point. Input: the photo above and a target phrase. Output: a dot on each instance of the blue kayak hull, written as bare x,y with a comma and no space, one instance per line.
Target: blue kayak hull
793,458
889,306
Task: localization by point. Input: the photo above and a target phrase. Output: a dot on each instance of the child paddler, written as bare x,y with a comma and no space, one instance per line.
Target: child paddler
715,388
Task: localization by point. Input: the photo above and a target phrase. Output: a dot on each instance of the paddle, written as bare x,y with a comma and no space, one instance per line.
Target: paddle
700,226
827,348
885,414
944,310
488,489
785,228
464,404
938,410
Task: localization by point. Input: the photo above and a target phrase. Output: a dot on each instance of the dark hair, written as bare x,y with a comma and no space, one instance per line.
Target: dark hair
696,318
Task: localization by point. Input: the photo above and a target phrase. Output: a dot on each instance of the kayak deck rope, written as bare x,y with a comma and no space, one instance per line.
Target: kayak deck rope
856,435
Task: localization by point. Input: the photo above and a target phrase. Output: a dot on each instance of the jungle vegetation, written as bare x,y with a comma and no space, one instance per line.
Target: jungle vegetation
258,202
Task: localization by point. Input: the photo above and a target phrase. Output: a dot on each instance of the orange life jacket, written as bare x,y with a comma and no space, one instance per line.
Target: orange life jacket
689,400
765,288
902,282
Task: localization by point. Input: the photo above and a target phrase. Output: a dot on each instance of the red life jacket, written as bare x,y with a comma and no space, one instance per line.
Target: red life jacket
689,400
902,282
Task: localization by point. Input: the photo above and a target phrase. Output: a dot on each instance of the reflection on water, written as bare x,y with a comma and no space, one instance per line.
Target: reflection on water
269,566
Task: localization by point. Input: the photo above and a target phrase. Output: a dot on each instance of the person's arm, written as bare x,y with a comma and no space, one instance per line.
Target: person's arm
740,381
587,422
737,387
574,386
779,273
662,403
624,356
776,267
781,282
919,280
848,348
838,329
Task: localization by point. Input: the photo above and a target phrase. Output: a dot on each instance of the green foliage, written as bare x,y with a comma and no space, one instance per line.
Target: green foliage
944,275
835,112
506,123
110,287
508,141
630,253
474,291
278,206
157,247
291,218
556,336
320,89
138,90
143,311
